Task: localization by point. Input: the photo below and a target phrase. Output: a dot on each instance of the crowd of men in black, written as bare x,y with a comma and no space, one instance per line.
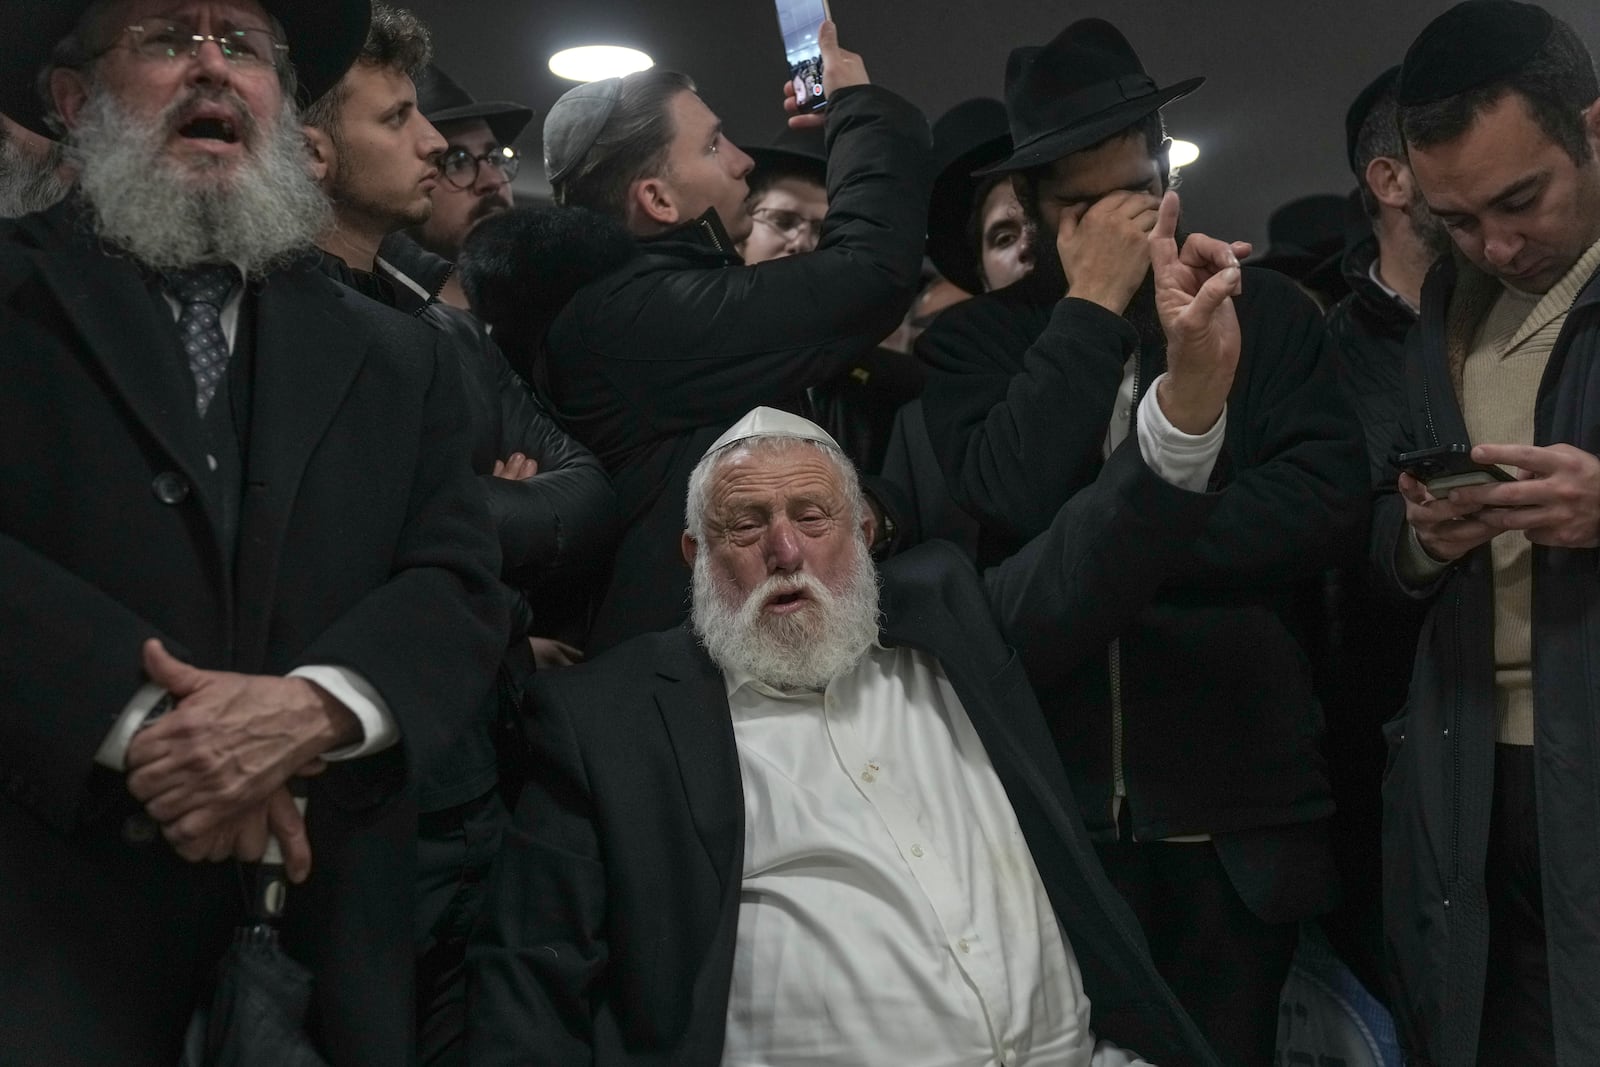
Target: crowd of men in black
471,558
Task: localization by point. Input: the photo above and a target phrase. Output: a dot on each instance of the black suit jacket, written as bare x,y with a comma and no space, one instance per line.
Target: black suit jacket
610,934
363,540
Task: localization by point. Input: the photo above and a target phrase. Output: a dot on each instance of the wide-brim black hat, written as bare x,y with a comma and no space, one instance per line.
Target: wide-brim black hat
803,152
324,38
441,100
1075,92
1305,238
971,135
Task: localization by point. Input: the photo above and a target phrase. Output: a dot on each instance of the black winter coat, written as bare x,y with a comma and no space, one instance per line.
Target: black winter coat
652,362
1203,706
1439,787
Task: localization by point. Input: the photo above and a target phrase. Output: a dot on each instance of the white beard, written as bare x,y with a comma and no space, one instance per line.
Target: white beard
805,649
27,184
172,215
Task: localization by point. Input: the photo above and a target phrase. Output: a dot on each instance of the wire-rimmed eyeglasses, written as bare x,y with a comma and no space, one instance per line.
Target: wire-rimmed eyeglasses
165,39
460,167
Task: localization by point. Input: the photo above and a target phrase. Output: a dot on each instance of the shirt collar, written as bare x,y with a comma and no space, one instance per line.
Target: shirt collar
737,678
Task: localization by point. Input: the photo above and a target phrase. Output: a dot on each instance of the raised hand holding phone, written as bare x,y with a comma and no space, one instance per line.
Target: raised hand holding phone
840,70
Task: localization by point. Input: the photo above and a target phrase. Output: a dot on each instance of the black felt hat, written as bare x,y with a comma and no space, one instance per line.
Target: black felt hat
1302,235
324,38
1356,117
971,135
1474,43
803,152
441,99
1075,92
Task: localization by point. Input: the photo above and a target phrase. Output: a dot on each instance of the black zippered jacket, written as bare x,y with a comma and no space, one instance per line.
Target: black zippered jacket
1220,727
1439,787
650,363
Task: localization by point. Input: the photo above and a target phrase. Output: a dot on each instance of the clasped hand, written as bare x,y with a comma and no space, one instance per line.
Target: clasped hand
213,770
1555,501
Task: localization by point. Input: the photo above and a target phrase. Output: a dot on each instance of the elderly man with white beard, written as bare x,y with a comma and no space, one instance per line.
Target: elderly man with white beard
237,507
824,822
33,174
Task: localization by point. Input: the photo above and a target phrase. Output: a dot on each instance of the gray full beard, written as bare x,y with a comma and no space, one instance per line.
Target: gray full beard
804,650
27,183
171,215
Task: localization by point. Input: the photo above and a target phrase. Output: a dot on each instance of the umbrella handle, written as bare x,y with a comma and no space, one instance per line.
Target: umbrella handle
274,852
268,881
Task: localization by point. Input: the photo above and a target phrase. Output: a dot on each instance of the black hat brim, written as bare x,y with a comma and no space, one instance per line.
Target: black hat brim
950,208
504,119
325,36
807,163
1054,145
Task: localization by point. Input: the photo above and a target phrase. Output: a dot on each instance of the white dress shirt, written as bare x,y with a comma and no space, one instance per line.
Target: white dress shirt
890,910
378,728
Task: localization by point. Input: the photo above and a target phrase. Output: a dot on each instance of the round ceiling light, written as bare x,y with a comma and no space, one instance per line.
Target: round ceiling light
1183,153
592,62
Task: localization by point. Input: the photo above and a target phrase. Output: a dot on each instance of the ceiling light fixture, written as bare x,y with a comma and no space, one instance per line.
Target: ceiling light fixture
1183,153
592,62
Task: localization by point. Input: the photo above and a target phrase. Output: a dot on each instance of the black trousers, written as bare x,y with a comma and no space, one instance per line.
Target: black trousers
1517,1026
455,849
1226,966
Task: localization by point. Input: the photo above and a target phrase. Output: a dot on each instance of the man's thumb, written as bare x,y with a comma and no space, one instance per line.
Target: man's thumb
169,672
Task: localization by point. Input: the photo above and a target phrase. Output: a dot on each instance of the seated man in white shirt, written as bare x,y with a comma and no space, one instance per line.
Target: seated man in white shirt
824,823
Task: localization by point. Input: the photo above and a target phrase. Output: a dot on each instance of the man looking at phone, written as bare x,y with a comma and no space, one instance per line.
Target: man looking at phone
650,361
1490,820
1191,740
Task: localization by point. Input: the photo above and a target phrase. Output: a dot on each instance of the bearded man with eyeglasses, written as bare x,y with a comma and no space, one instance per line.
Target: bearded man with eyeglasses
237,509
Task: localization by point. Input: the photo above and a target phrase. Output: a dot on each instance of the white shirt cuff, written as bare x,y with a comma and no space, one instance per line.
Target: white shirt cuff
1179,459
378,727
356,693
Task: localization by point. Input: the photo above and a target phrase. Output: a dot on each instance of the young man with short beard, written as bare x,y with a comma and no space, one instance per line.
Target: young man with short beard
237,508
783,834
1191,738
377,158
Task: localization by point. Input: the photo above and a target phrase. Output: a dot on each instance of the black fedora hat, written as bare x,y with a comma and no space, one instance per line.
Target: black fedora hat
971,135
1075,92
803,152
324,38
441,99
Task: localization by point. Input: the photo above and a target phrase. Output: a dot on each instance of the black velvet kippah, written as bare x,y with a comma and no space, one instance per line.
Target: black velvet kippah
1356,117
1472,44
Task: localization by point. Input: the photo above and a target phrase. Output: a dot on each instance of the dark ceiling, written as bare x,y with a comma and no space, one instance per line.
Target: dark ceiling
1269,120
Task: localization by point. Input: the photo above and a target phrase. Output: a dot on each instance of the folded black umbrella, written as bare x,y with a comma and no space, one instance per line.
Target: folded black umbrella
257,1013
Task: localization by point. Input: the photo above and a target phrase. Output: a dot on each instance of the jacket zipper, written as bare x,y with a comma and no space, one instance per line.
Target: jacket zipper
711,232
1119,783
1455,759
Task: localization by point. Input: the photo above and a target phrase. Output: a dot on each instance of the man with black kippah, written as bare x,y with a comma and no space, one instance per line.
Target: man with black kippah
1491,871
1191,740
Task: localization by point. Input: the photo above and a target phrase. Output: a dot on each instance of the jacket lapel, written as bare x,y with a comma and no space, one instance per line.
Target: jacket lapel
108,304
307,354
693,701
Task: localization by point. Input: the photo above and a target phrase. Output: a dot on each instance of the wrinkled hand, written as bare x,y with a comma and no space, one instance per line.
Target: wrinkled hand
1447,527
245,836
840,70
1105,250
230,743
1555,499
515,467
1195,288
548,652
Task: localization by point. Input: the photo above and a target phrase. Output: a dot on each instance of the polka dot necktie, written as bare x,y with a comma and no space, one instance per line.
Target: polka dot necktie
202,291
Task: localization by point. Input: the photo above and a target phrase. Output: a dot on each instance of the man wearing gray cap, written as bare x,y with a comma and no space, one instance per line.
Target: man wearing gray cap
240,544
650,361
1491,869
824,822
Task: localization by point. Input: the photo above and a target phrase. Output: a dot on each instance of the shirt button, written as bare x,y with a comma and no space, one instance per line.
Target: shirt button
916,850
211,461
170,487
963,945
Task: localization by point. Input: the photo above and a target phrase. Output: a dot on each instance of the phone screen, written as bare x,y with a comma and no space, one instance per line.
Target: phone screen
801,22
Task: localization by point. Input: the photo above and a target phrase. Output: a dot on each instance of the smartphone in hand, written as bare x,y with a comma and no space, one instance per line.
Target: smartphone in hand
801,22
1448,467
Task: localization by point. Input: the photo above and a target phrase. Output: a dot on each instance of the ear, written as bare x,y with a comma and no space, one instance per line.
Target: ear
1591,125
689,547
69,92
1390,181
652,204
323,154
